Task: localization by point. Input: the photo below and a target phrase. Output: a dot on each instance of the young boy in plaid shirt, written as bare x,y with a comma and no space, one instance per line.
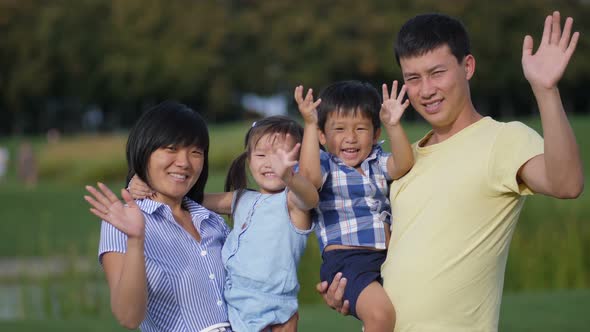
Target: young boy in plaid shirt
353,216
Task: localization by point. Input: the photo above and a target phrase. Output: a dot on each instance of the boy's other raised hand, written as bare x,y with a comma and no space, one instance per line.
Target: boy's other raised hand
546,67
307,107
393,106
106,205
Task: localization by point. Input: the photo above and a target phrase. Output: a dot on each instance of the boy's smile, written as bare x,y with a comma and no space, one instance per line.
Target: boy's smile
349,137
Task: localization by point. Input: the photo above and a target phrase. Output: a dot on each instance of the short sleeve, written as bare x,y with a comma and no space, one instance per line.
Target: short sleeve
515,144
111,240
382,158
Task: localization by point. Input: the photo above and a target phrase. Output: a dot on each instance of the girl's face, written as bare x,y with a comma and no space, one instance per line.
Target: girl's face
173,170
260,164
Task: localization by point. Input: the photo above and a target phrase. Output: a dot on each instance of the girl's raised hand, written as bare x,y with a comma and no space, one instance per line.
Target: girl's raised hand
393,106
282,161
139,189
307,107
127,218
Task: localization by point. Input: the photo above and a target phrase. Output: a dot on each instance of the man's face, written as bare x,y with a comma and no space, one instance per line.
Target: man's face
438,86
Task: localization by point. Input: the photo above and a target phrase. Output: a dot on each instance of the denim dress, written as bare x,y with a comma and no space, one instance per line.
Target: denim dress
261,255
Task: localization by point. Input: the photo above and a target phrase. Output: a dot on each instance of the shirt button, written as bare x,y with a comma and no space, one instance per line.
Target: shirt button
219,302
212,276
203,252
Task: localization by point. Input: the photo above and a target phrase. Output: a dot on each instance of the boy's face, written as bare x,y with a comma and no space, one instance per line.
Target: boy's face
350,137
438,85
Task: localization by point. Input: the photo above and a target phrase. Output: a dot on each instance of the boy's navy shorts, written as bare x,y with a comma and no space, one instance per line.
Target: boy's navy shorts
359,266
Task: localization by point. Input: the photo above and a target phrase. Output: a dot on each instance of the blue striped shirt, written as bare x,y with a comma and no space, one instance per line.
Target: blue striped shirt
185,277
354,208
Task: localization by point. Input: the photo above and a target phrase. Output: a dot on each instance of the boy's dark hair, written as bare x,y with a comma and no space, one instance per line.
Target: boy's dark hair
349,98
169,123
237,178
426,32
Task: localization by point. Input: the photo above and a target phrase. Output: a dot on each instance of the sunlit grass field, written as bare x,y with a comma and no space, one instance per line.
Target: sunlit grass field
550,248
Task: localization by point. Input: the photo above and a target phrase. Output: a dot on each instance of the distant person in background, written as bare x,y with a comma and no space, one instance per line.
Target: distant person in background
4,158
27,164
455,212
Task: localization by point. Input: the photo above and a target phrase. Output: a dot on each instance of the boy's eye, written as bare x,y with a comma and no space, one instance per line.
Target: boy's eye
438,73
170,148
197,152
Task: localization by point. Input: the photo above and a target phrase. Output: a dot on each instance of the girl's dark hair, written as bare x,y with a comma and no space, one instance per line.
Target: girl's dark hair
349,98
237,178
169,123
424,33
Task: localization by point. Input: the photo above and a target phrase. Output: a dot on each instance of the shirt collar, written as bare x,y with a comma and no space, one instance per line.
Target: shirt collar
197,211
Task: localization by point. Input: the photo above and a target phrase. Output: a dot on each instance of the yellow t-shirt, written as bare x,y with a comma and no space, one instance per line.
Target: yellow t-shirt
453,216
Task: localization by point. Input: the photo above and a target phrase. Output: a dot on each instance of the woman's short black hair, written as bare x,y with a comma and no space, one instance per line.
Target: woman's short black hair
169,123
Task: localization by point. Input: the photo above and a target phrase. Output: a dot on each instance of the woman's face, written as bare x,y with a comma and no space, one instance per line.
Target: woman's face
173,170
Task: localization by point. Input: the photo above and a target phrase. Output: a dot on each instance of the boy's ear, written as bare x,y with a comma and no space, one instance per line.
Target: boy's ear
377,135
322,137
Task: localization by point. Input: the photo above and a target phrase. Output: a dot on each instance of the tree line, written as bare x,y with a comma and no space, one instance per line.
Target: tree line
60,58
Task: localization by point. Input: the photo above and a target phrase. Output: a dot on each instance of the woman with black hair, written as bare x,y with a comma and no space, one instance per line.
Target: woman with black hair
162,255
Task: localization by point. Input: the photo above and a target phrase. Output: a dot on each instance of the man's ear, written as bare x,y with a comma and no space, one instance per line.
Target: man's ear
469,66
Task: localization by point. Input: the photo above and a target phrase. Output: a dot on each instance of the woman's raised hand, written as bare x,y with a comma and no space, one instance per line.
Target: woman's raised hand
127,218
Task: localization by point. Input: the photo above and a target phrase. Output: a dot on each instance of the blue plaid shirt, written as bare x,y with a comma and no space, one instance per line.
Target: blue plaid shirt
353,208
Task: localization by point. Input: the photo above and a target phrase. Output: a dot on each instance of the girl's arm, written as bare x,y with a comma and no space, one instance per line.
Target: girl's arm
219,202
125,273
392,109
302,195
309,160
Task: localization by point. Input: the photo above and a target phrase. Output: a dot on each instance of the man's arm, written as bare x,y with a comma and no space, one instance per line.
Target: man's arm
558,172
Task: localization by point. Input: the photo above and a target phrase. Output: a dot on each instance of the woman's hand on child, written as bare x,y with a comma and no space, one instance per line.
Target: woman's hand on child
106,205
307,107
139,189
393,106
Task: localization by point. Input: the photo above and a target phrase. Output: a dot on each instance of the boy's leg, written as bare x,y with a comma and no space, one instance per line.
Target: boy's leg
375,309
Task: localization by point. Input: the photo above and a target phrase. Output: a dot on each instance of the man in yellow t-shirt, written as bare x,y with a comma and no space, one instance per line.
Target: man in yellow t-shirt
455,211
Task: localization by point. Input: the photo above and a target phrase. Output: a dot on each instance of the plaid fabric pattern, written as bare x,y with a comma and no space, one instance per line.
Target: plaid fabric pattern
353,208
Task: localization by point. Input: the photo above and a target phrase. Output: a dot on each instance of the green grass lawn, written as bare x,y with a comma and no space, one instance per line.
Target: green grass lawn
550,248
539,312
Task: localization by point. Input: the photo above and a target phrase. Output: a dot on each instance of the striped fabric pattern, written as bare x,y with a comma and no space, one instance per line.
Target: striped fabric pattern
354,209
185,277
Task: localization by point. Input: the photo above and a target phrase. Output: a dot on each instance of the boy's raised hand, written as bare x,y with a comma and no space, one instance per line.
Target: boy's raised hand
546,67
307,107
393,106
105,205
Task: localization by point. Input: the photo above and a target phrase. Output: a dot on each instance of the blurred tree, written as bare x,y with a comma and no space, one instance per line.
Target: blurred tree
57,58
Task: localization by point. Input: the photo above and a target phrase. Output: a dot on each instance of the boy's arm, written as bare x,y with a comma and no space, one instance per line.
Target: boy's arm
309,159
558,172
218,202
392,109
